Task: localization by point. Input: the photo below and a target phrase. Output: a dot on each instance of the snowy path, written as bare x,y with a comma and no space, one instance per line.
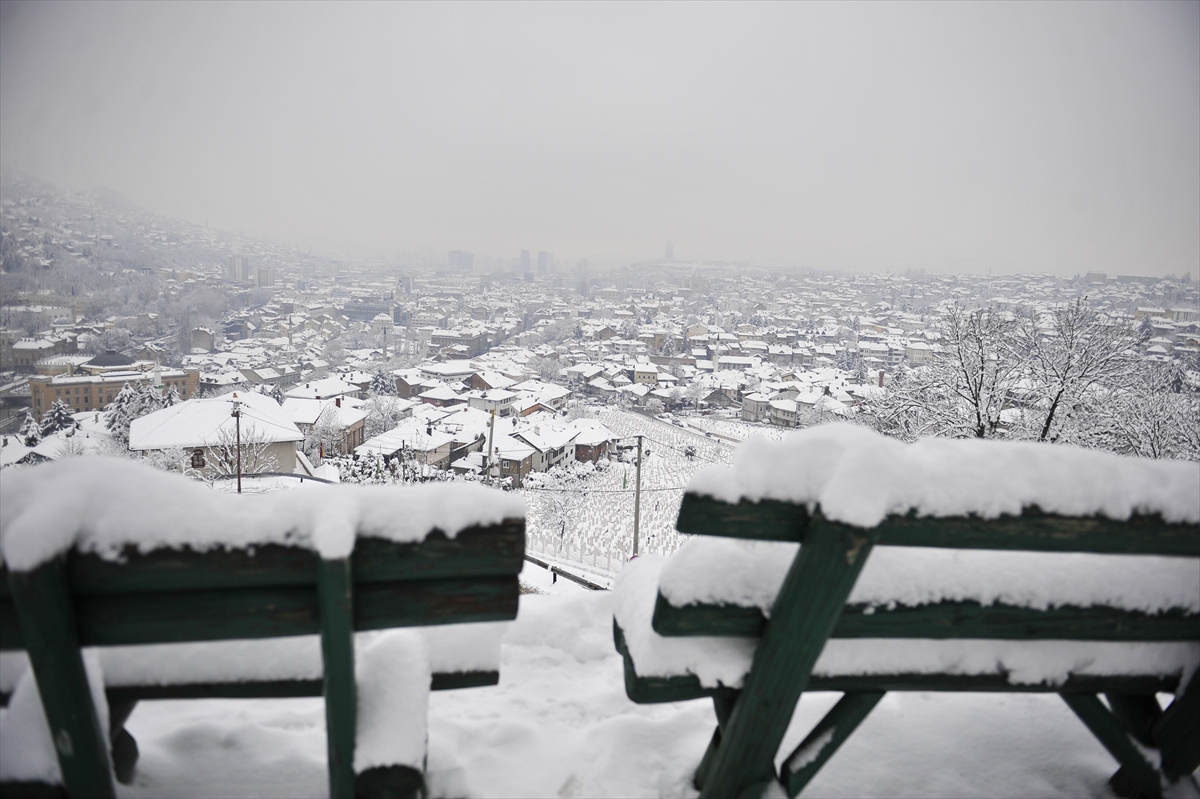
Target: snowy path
559,724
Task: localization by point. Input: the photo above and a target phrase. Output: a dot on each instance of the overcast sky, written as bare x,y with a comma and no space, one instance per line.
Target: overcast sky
952,136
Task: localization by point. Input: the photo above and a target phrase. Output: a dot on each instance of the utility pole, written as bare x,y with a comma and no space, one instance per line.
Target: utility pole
637,499
237,415
487,460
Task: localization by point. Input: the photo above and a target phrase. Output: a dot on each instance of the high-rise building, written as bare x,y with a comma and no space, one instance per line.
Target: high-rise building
266,277
543,262
461,259
670,251
238,269
526,264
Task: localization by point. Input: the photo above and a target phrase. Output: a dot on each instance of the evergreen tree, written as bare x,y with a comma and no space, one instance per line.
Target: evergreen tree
57,418
31,431
383,384
118,412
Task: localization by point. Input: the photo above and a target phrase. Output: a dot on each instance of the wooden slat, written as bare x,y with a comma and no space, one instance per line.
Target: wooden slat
768,520
476,551
810,601
1033,530
276,689
1042,532
180,616
682,687
945,620
842,719
44,607
414,603
336,599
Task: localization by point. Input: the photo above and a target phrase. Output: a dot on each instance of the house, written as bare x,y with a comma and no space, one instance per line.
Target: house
551,444
548,394
756,407
783,412
325,388
346,414
440,397
513,457
208,430
501,401
413,439
592,442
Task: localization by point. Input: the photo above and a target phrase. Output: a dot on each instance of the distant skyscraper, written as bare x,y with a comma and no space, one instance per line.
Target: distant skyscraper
461,259
526,264
266,277
543,262
670,251
238,270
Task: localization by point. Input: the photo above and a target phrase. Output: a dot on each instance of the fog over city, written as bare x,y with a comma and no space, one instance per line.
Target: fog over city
1055,137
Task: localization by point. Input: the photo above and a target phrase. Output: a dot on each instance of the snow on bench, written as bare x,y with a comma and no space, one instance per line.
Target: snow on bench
866,565
859,477
113,503
724,662
173,581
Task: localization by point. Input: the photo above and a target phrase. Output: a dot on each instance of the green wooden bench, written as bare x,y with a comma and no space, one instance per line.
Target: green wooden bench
812,607
170,596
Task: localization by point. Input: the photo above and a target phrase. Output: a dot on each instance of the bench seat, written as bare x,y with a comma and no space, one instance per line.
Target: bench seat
461,656
662,668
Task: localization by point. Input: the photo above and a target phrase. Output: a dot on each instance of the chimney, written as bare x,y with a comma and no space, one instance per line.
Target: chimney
881,378
338,402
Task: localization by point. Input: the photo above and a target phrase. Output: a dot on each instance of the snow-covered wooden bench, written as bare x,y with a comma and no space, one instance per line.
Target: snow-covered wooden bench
868,566
146,566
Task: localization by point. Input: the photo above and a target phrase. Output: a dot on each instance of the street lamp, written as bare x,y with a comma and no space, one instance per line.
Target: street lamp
237,415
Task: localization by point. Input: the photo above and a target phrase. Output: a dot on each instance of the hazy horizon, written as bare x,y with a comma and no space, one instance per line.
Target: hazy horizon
1053,138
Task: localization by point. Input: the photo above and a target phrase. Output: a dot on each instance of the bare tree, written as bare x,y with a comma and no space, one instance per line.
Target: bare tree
1069,351
326,436
964,390
255,452
1152,414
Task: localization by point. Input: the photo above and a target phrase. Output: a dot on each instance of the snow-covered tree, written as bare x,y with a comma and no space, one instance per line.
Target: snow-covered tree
31,431
964,390
383,384
57,417
222,456
382,415
1068,352
326,435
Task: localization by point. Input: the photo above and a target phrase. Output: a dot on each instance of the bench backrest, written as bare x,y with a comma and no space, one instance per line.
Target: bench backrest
173,596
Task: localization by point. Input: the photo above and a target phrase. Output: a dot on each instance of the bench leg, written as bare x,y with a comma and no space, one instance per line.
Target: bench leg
124,746
46,613
1177,732
336,602
805,613
1138,712
1109,730
825,739
723,704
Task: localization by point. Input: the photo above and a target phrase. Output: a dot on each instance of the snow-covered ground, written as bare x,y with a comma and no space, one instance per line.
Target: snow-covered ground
559,725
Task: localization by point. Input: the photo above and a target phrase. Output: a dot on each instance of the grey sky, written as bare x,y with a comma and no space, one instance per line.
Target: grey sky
953,136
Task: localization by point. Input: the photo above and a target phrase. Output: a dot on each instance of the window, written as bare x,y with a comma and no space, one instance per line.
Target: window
198,458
